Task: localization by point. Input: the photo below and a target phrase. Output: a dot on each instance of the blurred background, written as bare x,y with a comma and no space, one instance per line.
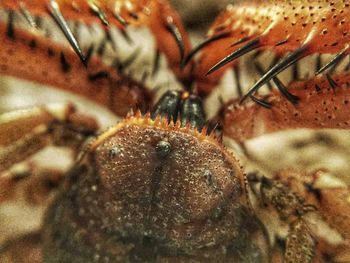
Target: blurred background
307,150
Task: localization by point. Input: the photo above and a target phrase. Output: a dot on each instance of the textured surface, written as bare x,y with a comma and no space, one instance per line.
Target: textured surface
146,201
305,149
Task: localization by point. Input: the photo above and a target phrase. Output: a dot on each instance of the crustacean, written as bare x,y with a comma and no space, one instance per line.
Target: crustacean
159,186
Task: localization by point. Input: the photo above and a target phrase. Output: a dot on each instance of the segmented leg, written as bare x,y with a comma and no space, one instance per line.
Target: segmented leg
25,132
300,245
26,189
333,203
299,200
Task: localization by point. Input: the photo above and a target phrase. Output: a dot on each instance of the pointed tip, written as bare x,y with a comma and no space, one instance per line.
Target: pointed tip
89,53
332,82
178,123
175,32
250,46
202,45
171,123
147,115
279,67
83,60
262,103
204,131
138,114
164,122
130,114
157,120
96,10
335,60
55,12
120,19
283,89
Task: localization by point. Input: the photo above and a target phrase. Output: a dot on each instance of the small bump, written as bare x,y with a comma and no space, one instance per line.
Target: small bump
163,148
208,177
115,151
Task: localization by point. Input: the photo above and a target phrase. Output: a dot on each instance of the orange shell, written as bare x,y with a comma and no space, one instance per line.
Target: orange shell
280,25
25,56
319,106
155,14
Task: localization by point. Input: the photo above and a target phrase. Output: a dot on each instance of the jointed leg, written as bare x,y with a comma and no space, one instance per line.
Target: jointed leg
25,132
26,189
291,208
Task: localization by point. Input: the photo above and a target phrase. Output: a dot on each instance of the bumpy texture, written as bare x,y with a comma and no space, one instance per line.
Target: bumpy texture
281,26
152,191
319,106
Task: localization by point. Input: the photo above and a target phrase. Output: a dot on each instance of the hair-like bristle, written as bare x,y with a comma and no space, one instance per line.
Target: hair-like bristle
119,18
27,15
282,88
279,67
331,82
251,45
10,26
54,10
283,27
260,102
174,30
202,45
98,12
335,61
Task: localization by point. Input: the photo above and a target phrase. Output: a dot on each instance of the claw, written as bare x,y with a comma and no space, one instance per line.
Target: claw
292,98
202,45
279,67
174,30
262,103
54,10
251,45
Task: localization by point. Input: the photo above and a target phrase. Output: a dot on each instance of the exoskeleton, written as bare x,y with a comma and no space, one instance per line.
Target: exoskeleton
160,186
